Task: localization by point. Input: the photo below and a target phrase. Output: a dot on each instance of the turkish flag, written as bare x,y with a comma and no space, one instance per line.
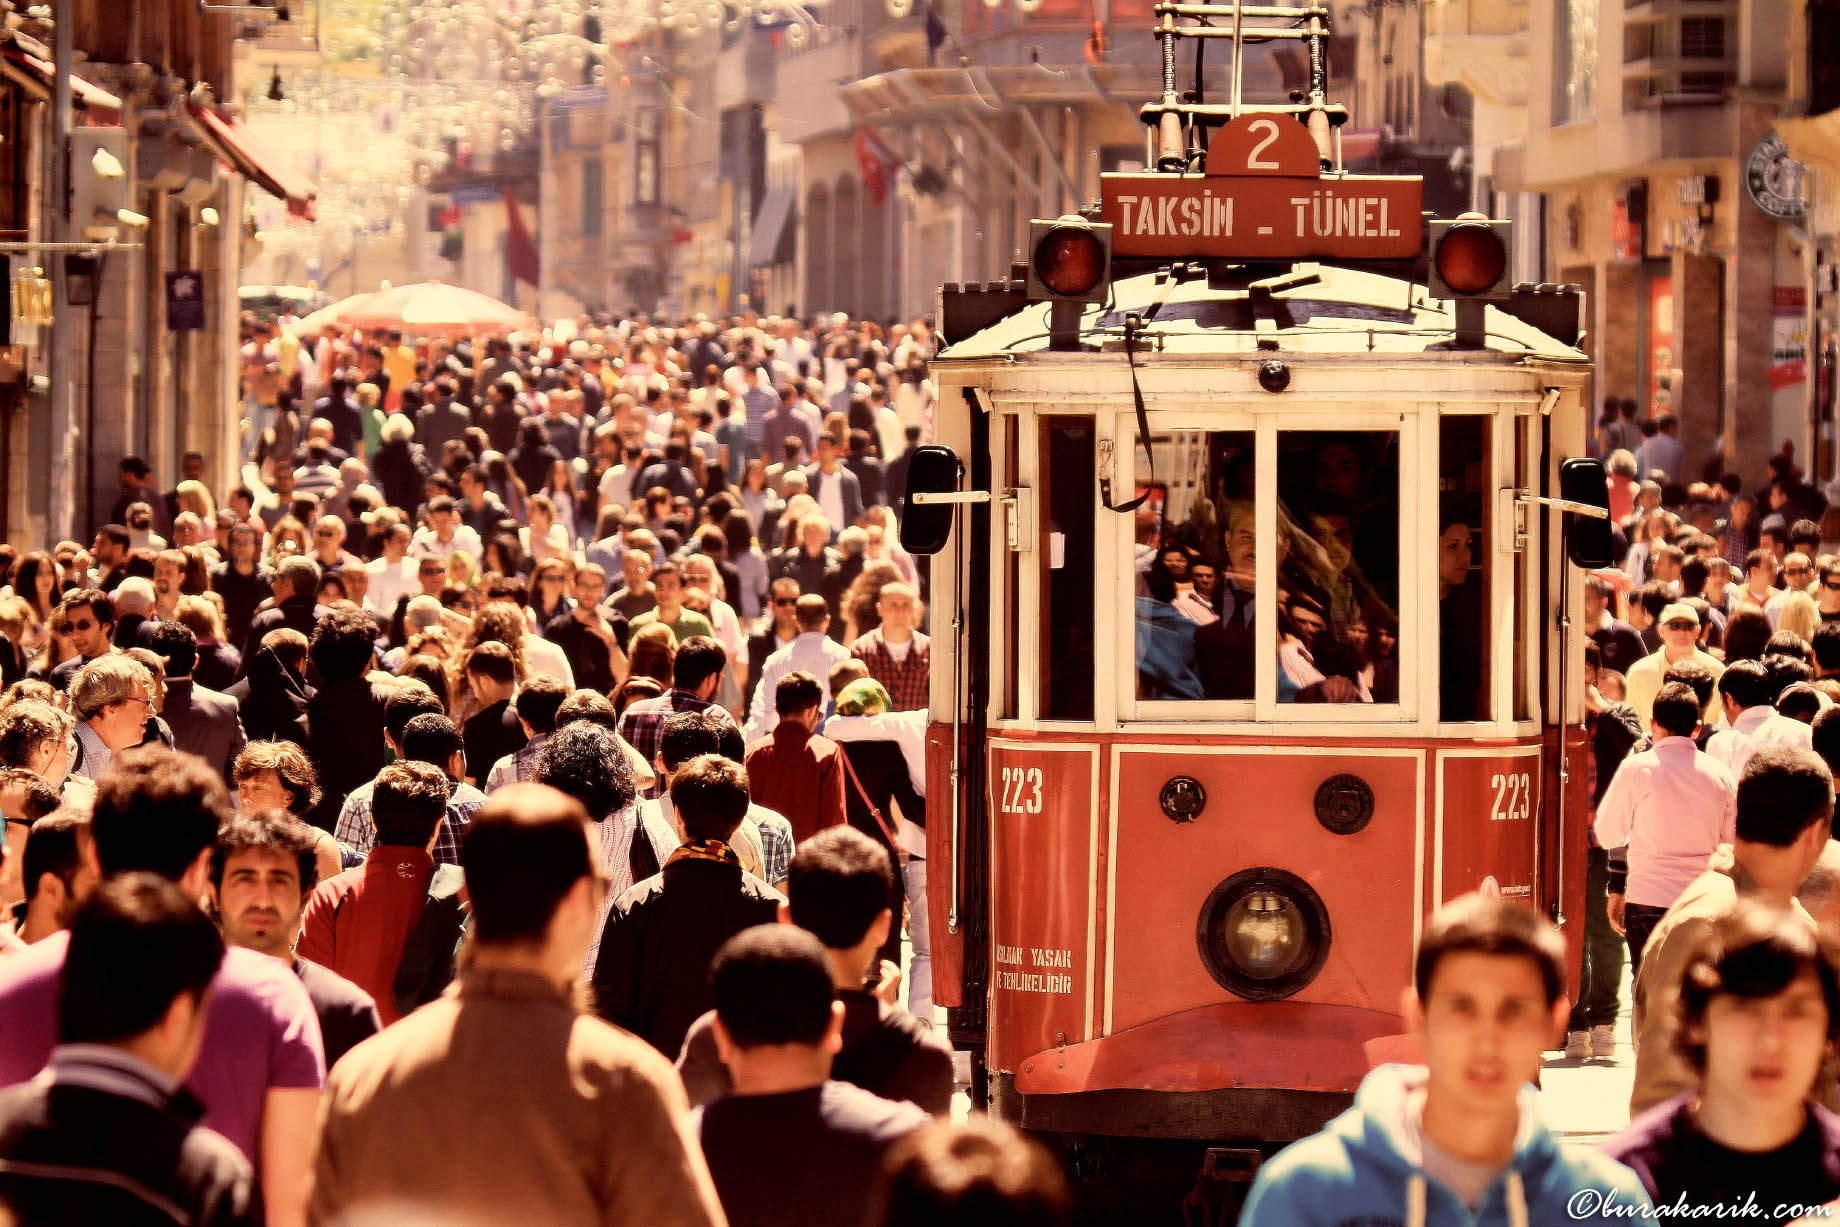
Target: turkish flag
520,248
877,161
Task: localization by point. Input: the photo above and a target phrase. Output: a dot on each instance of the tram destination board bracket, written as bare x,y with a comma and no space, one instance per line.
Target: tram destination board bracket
1263,196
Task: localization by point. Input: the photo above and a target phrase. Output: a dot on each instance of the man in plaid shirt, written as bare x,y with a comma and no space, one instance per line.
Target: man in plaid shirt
427,738
897,655
695,675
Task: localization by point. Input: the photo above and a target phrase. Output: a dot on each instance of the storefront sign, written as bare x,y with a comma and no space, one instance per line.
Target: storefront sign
1691,191
185,300
1773,179
1789,338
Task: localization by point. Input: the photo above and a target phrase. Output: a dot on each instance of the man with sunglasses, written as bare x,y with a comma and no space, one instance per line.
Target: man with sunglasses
1827,595
109,698
1679,629
89,621
779,627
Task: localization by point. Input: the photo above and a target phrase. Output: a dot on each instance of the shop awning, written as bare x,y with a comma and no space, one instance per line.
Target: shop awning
37,75
771,242
235,146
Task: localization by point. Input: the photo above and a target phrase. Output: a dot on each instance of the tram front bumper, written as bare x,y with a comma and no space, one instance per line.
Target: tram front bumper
1285,1045
1259,1071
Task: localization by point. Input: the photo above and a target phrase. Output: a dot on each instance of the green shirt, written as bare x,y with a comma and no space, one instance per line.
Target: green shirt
689,622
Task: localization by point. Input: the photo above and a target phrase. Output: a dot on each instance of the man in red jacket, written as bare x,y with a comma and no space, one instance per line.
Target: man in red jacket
794,771
359,923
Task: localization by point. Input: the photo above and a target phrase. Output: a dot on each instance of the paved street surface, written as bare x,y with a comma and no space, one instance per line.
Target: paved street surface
1588,1101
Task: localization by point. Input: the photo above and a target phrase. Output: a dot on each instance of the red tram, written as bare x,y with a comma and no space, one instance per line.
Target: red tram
1250,516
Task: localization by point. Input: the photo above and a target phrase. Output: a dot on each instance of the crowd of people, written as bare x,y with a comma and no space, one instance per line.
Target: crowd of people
586,668
506,803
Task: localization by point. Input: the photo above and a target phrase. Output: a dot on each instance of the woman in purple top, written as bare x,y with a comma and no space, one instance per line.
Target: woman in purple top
1760,1013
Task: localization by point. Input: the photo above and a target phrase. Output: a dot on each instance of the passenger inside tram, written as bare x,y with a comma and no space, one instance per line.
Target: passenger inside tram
1337,570
1459,615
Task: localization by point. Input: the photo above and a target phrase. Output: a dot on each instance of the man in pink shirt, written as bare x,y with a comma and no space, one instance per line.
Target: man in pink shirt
1672,806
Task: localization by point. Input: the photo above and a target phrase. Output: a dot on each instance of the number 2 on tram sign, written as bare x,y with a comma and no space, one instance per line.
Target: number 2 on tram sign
1263,197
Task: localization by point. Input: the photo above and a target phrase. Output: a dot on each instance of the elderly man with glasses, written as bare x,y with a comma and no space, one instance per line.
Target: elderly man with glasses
110,699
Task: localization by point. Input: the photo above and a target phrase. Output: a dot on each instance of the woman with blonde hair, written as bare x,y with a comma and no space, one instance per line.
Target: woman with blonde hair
462,570
1799,614
195,497
217,660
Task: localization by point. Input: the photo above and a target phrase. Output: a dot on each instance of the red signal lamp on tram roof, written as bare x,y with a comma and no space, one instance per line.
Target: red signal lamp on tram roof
1070,260
1469,257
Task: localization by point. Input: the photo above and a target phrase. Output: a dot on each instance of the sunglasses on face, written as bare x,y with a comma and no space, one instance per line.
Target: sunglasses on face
1680,626
785,600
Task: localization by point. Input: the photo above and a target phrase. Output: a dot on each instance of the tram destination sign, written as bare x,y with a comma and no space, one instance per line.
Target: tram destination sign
1262,197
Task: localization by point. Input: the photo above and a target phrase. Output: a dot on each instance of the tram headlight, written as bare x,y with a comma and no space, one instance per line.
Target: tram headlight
1263,934
1469,257
1070,260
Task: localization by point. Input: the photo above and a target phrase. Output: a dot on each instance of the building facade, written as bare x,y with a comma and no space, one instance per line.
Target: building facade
1650,133
115,372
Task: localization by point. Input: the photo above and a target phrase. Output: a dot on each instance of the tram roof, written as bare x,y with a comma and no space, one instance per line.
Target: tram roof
1307,309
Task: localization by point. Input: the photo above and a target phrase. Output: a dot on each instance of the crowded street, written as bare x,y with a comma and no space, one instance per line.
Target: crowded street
918,612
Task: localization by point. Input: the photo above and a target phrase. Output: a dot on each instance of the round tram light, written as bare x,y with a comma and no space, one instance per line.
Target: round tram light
1471,258
1070,260
1263,934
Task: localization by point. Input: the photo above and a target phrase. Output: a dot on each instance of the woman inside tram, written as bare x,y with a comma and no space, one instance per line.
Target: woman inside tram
1459,615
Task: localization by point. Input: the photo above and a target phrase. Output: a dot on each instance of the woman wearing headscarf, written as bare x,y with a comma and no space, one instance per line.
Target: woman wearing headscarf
884,793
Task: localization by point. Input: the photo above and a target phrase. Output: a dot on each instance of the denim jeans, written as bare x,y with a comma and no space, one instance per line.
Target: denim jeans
920,970
1639,923
1603,950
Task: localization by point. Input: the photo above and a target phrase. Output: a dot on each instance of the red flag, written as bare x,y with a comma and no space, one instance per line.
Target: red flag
520,248
877,161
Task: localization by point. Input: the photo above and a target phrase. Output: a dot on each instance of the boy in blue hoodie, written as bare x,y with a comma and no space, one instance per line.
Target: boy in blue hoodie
1457,1140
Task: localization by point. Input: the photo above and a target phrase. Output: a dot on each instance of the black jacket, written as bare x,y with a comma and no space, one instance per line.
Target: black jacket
652,974
242,595
204,722
295,613
401,472
346,722
272,701
72,1154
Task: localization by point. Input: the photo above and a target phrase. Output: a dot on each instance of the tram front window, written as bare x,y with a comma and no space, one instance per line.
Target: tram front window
1338,567
1337,544
1195,552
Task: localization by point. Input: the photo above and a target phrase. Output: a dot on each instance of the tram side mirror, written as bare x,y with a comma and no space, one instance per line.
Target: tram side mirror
925,527
1588,540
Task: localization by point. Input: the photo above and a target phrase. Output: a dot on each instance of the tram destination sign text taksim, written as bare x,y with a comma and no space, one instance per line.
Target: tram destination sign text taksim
1262,198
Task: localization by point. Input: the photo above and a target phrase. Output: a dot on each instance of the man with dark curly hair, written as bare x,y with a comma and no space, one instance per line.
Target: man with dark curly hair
346,716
